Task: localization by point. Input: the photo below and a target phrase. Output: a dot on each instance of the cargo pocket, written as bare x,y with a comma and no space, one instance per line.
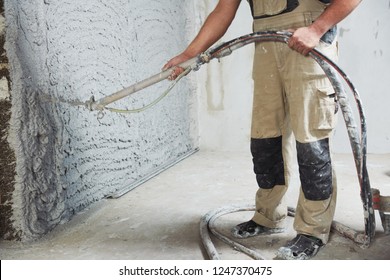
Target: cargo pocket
325,113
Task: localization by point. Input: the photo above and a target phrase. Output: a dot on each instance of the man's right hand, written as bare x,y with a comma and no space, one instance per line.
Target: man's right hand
172,64
212,30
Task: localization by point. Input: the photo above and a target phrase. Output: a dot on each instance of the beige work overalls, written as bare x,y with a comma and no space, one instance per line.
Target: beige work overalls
291,99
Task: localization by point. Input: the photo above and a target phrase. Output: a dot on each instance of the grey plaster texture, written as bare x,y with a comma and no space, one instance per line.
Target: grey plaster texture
66,51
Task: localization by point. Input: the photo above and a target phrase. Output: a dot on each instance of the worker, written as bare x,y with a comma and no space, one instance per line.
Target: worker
294,109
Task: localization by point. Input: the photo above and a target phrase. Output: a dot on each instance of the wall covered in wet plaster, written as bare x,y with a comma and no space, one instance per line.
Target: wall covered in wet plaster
66,158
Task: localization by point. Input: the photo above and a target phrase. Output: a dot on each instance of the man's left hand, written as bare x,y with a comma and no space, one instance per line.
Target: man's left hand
303,40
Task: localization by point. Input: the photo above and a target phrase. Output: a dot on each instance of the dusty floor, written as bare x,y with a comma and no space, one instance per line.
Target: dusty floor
160,219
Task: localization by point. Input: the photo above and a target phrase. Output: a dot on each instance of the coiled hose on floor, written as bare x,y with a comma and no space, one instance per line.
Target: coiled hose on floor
358,141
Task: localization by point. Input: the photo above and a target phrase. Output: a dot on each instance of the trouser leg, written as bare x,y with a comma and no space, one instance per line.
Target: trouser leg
269,169
271,144
313,124
317,198
272,158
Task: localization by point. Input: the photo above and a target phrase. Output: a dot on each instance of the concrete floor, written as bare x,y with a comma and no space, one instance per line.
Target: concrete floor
160,219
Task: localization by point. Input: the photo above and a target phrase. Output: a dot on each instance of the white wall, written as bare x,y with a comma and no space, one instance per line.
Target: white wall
365,57
225,88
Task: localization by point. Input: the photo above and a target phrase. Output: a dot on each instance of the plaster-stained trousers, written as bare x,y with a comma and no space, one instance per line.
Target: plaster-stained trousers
293,98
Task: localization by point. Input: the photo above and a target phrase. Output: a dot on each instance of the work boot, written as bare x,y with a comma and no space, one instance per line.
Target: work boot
302,247
250,228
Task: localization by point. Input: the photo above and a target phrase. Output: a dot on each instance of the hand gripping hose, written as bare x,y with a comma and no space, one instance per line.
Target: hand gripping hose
357,137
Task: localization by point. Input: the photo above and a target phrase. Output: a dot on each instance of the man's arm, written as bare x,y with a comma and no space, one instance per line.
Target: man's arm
305,39
212,30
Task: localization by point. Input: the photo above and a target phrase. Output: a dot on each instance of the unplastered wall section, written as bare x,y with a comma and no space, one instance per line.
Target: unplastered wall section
225,88
7,156
61,53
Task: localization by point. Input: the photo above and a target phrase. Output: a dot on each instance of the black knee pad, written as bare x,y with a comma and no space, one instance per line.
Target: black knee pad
268,162
315,169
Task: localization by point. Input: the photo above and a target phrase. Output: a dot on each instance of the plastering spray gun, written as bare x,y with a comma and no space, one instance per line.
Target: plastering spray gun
357,137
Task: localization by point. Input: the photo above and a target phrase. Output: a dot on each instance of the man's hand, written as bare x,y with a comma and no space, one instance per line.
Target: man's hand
172,64
212,30
304,39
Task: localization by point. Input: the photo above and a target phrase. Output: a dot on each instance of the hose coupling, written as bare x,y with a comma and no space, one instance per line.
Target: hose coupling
93,105
89,103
